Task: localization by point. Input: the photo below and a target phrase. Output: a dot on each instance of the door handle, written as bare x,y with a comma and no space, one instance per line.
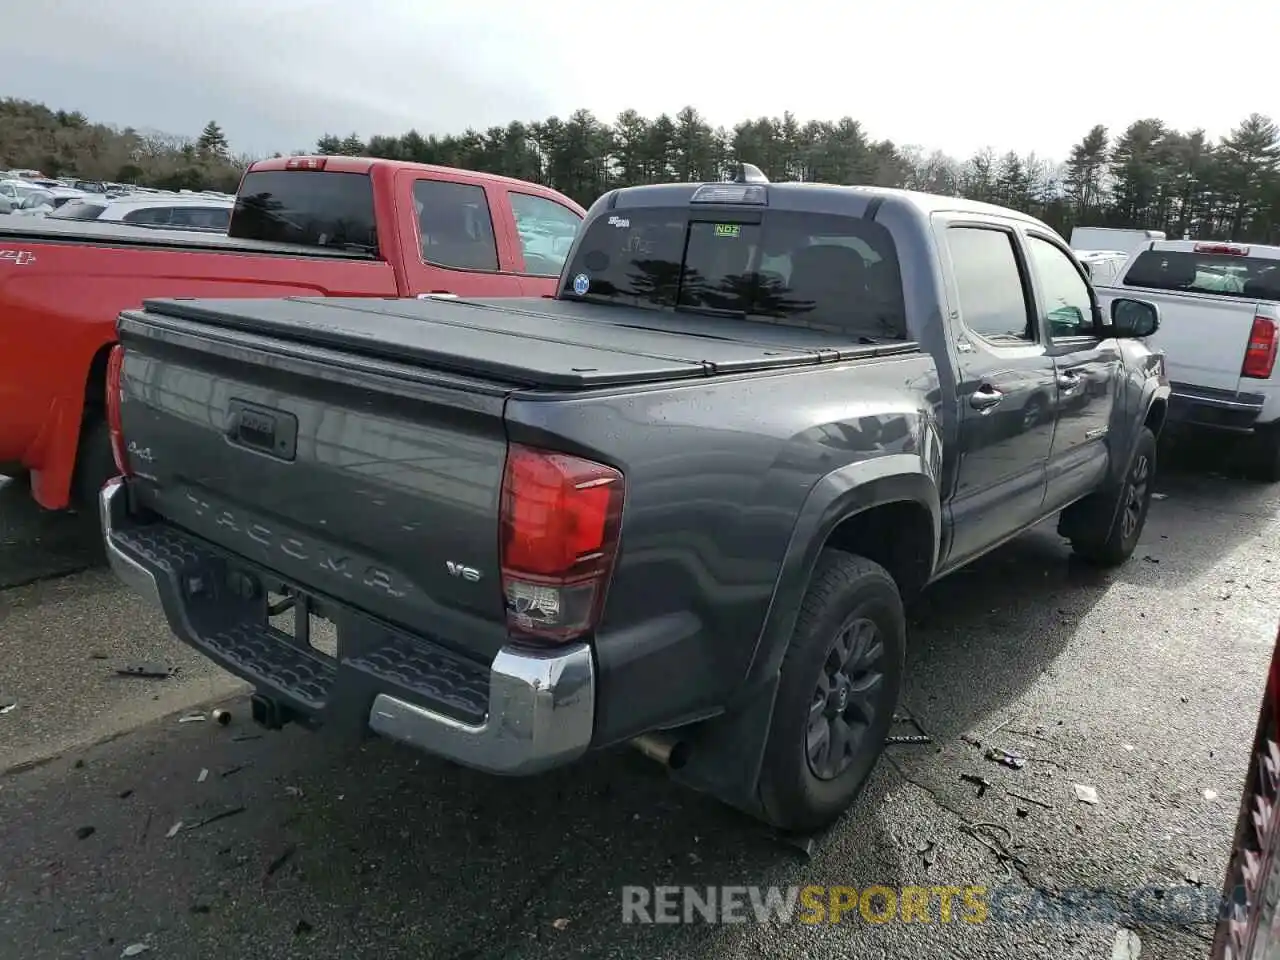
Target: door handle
985,398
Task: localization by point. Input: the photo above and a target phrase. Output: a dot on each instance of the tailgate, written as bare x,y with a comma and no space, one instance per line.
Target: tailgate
1204,338
349,477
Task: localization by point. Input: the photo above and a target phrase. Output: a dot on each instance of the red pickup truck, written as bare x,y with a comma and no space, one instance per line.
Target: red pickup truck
302,226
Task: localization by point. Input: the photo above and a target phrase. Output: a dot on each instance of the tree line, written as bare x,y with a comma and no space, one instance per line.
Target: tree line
1149,175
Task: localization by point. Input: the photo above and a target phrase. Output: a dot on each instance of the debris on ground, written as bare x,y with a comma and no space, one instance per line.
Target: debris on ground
231,771
191,718
1086,793
242,737
1150,559
971,740
174,830
285,856
295,792
906,716
135,949
222,717
1005,758
1021,811
1127,946
982,783
1039,803
7,704
203,775
1159,496
927,851
302,928
560,922
997,845
146,671
125,794
221,815
1002,724
83,833
1192,878
1211,794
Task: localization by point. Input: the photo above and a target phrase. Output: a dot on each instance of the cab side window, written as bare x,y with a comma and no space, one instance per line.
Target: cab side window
1068,305
993,300
546,231
455,225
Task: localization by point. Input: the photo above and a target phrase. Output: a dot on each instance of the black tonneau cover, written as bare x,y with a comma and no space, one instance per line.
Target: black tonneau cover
47,230
530,341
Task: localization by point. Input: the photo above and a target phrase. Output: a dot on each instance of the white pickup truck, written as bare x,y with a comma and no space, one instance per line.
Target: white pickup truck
1219,332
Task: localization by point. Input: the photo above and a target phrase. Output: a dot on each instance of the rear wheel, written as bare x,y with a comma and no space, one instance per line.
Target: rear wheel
95,463
1105,527
838,688
1264,463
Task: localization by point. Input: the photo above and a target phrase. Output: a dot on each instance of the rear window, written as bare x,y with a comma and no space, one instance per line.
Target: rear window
310,207
1250,278
78,210
828,272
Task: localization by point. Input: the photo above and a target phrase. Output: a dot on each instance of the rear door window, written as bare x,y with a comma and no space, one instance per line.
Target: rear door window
78,210
455,226
210,218
546,230
815,270
1228,275
315,208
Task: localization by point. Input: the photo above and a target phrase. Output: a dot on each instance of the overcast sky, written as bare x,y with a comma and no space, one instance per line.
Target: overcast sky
276,74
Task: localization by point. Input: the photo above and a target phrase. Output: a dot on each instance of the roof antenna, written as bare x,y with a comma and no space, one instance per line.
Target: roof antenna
748,173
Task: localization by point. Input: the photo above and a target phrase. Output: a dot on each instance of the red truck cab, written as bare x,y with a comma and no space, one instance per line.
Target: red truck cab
1249,922
302,226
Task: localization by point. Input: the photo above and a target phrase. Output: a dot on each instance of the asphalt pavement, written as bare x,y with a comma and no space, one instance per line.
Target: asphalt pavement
1142,684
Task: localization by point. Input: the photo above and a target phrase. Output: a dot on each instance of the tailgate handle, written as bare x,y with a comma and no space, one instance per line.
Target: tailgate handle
273,432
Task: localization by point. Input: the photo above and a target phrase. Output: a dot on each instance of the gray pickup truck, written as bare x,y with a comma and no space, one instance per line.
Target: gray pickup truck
680,504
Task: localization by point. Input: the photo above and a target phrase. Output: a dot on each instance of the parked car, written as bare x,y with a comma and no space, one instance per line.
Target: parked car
41,202
301,226
1249,924
680,504
195,212
1220,333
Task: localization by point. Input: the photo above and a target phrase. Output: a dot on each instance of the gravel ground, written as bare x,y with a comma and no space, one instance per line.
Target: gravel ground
1143,684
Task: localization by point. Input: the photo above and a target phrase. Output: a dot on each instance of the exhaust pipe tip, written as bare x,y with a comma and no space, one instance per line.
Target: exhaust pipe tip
669,751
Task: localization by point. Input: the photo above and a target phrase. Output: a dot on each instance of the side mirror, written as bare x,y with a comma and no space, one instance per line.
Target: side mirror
1134,318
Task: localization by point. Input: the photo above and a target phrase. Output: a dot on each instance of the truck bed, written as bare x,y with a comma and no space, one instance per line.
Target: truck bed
45,230
527,342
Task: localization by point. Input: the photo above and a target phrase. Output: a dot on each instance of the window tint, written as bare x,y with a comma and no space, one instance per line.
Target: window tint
1066,296
455,225
78,210
546,231
992,301
311,207
829,272
1250,278
148,215
209,218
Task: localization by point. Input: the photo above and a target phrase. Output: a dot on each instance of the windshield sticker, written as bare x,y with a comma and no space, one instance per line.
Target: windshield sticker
581,284
732,230
622,223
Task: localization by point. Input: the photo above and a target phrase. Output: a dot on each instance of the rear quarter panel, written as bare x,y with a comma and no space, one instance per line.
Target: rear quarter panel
58,312
717,476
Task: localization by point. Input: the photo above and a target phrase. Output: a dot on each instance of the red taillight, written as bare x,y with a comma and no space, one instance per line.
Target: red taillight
1226,249
115,396
305,163
1260,356
560,520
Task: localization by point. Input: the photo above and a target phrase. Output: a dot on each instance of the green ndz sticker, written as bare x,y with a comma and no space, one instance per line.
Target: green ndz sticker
728,230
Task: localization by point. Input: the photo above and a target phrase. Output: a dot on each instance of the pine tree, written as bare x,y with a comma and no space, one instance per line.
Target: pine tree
212,143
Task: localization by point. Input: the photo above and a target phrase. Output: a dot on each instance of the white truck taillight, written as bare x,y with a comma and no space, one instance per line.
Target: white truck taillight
560,520
1260,355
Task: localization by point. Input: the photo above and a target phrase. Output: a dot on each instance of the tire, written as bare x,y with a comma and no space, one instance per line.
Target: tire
851,609
95,463
1264,461
1106,530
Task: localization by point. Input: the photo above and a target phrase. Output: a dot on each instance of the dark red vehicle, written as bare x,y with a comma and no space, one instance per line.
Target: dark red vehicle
302,226
1249,926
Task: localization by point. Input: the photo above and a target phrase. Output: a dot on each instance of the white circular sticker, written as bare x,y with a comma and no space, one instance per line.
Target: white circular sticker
581,284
